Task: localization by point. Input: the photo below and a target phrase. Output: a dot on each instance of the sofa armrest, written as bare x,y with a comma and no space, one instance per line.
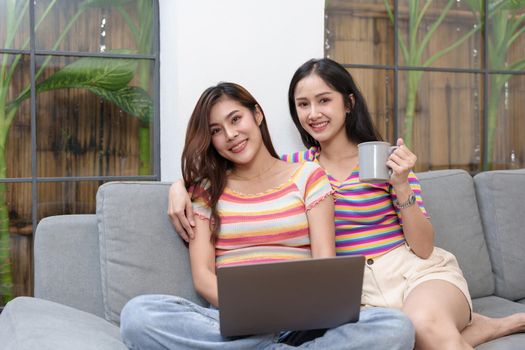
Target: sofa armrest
67,262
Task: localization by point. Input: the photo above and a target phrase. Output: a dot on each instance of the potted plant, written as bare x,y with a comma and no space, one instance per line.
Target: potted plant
507,25
108,78
412,49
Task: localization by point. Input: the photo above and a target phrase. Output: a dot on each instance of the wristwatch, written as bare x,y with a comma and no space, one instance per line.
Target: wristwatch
410,201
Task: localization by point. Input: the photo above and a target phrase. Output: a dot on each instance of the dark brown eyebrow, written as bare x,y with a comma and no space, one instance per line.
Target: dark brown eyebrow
318,95
229,115
232,113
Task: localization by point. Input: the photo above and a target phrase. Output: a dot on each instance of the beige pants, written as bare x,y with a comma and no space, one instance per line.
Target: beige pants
390,278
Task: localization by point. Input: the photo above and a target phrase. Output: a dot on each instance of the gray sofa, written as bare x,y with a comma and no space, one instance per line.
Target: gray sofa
88,266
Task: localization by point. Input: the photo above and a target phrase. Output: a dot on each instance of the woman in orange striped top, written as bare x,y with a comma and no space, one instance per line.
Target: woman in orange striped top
251,208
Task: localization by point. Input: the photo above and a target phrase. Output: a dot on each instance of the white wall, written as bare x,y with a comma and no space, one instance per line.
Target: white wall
256,43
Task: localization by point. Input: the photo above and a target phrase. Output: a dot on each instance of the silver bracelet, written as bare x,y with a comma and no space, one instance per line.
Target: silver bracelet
410,201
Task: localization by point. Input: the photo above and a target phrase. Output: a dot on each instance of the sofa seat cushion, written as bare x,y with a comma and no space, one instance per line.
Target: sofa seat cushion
512,342
450,200
31,323
140,252
494,306
501,194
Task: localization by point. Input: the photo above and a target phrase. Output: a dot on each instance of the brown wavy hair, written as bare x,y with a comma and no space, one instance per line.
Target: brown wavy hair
202,165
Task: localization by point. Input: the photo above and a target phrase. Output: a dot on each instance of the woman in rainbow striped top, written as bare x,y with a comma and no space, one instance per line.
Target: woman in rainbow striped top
385,222
251,208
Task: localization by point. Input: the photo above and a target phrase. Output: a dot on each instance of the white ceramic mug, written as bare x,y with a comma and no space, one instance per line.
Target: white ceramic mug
373,156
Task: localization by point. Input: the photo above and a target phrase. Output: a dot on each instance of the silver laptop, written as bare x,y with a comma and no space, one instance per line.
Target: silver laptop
291,295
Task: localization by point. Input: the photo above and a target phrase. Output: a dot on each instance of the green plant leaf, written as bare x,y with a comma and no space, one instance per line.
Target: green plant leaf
475,5
430,32
402,44
107,73
513,5
131,99
518,65
103,3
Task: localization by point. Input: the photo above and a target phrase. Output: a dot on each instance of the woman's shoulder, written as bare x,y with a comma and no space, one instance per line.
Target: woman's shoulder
288,170
306,170
297,171
308,155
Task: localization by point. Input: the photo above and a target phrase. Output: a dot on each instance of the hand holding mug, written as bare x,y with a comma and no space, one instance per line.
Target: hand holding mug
401,161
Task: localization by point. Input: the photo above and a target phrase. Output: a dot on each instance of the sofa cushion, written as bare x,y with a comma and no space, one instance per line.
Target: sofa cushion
494,306
31,323
501,195
140,251
511,342
450,200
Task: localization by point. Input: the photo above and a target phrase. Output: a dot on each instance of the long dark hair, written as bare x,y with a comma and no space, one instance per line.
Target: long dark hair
201,164
358,123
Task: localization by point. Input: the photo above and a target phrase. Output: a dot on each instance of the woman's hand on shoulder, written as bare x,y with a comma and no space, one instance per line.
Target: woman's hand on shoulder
401,161
180,210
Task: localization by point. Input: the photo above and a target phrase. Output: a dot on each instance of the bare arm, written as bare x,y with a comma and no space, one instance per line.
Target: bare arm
418,230
322,228
180,210
202,259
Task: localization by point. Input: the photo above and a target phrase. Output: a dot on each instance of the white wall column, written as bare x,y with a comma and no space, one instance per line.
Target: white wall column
256,43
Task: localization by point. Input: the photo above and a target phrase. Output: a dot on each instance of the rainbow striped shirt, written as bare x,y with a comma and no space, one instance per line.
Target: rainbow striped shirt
270,226
366,221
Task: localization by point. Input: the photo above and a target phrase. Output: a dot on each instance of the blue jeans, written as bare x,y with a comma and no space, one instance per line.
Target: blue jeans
151,322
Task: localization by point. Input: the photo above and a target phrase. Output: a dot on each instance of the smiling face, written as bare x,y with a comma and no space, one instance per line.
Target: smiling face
234,130
321,109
